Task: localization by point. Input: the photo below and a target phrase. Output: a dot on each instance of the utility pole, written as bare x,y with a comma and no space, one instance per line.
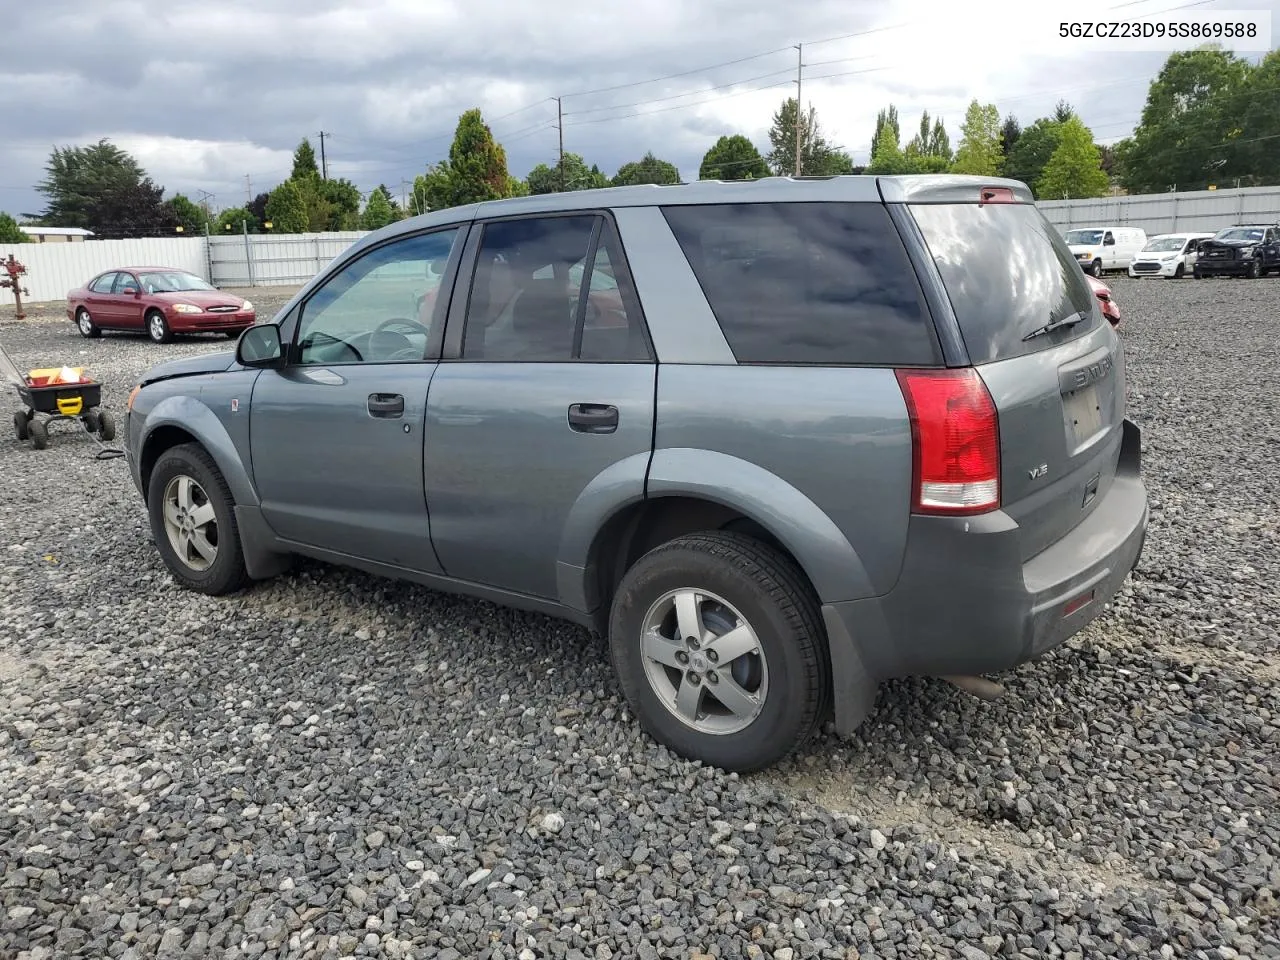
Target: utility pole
324,167
560,127
799,82
248,190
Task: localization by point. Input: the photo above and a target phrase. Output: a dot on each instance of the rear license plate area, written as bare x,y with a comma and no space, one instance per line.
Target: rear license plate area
1083,408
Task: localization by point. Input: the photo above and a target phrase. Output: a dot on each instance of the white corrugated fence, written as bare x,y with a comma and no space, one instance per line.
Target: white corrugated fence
53,269
1206,211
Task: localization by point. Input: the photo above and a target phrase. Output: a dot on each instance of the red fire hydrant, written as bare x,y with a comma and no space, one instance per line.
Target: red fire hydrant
15,270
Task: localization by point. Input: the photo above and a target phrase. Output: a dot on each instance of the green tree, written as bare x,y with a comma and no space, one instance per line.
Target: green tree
1191,122
9,232
192,217
79,178
733,158
304,162
342,198
287,210
1075,169
1062,112
231,220
477,162
928,152
886,126
575,175
258,207
1031,152
979,151
378,211
1259,143
648,169
1010,131
817,157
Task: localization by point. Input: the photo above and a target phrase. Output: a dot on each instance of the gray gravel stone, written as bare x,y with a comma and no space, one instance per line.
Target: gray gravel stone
266,774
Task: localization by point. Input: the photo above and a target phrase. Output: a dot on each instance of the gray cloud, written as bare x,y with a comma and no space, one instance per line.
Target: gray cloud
205,93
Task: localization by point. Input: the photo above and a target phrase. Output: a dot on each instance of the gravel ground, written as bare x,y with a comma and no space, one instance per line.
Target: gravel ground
331,765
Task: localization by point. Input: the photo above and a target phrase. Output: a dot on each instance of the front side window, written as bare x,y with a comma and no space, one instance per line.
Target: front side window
127,283
380,308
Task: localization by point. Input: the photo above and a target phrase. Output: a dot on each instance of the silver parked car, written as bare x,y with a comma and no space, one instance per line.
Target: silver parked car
778,440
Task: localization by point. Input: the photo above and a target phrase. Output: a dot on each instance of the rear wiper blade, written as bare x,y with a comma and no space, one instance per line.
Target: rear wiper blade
1069,321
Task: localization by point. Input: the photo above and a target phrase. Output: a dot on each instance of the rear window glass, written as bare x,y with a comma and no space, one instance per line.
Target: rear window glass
1007,271
801,283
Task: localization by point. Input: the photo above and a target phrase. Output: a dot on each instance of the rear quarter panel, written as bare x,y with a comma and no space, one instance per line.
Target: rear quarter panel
839,437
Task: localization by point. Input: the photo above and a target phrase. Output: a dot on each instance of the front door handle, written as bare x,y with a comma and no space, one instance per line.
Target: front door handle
593,418
386,405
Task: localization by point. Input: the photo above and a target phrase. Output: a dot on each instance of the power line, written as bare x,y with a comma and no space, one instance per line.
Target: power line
770,86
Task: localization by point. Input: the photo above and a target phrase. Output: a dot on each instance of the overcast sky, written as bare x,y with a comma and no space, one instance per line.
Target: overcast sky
203,93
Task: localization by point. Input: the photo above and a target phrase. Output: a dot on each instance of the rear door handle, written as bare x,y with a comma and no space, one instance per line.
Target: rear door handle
386,405
593,418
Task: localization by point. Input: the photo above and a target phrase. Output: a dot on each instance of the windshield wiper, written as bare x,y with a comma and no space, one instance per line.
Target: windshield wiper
1068,321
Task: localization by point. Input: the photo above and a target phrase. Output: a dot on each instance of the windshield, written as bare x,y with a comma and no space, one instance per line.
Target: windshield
1084,238
172,281
1164,244
1240,233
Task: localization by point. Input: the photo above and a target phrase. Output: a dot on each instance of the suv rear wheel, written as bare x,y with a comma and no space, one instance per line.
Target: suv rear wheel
717,642
193,521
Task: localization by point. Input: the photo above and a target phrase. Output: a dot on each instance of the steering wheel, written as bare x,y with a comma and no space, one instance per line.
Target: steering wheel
407,351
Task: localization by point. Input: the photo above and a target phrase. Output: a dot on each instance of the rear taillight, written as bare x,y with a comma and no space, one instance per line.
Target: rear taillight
955,441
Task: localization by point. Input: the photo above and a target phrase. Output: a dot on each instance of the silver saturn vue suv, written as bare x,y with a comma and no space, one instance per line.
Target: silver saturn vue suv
777,440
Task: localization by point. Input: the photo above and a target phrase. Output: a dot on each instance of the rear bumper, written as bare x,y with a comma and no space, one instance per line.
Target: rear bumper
966,603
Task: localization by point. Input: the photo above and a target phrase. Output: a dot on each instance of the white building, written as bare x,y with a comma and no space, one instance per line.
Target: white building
55,234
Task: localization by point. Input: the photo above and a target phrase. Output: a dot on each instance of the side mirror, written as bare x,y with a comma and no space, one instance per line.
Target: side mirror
260,346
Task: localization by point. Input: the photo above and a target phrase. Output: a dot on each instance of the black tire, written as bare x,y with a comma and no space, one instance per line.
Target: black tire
91,421
38,433
158,327
1097,268
1255,270
84,323
226,573
774,597
1178,272
106,425
20,426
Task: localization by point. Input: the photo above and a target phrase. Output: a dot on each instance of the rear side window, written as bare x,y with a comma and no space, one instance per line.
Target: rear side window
1008,272
808,283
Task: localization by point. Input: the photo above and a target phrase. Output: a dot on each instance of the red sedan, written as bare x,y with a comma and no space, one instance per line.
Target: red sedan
160,300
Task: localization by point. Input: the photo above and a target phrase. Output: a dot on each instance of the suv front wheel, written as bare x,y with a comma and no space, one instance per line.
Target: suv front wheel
193,521
717,641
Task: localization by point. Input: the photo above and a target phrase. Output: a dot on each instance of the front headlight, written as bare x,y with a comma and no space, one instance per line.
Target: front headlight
1169,257
1247,251
187,308
246,305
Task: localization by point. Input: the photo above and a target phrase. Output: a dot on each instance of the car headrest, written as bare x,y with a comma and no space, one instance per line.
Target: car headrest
543,310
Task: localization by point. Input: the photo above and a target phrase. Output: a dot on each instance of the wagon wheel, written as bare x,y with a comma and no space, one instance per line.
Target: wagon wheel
39,434
106,425
20,425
